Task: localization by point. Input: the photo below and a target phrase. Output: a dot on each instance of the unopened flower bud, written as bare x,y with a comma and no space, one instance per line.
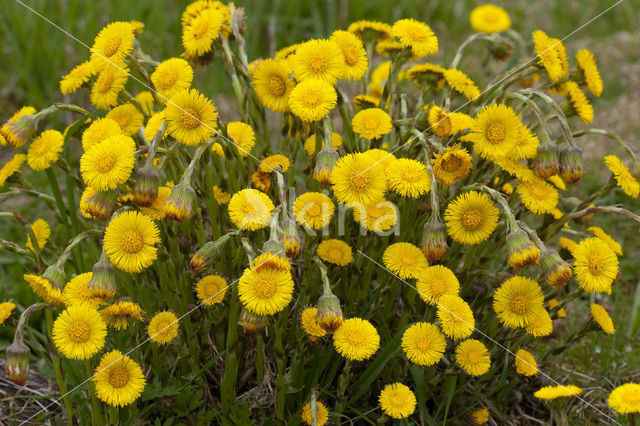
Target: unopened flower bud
250,322
556,271
101,205
203,258
145,189
291,240
17,365
546,163
20,131
326,161
500,47
103,279
179,205
522,251
329,315
571,165
434,240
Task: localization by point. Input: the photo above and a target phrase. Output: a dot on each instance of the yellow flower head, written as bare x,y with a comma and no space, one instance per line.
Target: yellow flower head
98,131
480,416
129,241
436,281
211,289
250,209
518,301
408,177
107,87
119,379
128,117
11,167
462,84
120,312
537,195
170,77
623,176
589,69
356,339
112,45
153,126
596,265
45,150
76,78
397,401
451,165
526,144
201,31
312,99
376,217
380,157
552,55
310,324
310,143
262,181
322,414
541,325
109,163
560,391
578,101
41,231
370,30
163,327
526,364
44,288
221,196
269,164
600,233
495,131
77,292
417,36
79,332
242,135
489,19
625,398
6,308
313,210
405,260
473,357
9,134
355,57
191,117
359,178
601,316
335,251
456,317
427,74
273,85
471,218
319,59
265,291
423,343
439,122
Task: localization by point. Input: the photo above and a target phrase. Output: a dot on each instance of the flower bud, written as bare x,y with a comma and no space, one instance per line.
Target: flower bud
556,271
329,315
522,251
434,240
101,205
18,132
326,161
291,240
571,165
250,322
500,47
55,275
17,365
203,258
103,279
145,189
179,205
546,162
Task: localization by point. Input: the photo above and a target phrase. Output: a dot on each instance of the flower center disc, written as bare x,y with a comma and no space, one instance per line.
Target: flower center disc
79,332
318,64
104,82
276,85
596,264
451,164
312,98
359,181
416,34
370,123
496,133
248,208
350,55
112,45
200,29
132,241
411,175
539,191
518,304
190,118
438,286
105,162
118,377
356,337
167,79
475,357
471,219
314,210
335,254
265,289
423,343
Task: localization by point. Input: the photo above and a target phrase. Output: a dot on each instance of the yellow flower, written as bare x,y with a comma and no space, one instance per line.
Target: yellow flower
557,182
250,209
319,59
625,398
479,416
44,288
358,178
312,99
153,126
264,290
310,143
322,414
191,117
423,343
553,392
451,165
489,19
526,364
436,281
170,77
313,210
216,148
416,35
107,87
473,357
310,324
426,74
439,122
76,77
462,84
77,292
370,30
526,144
41,231
6,308
261,181
242,135
128,117
335,251
356,339
154,211
380,156
578,101
112,45
551,54
376,217
129,241
408,177
596,265
79,332
515,168
624,178
518,301
199,34
371,123
163,327
601,317
14,139
495,131
589,69
45,150
211,289
541,325
355,57
119,312
537,195
599,232
269,164
11,167
99,130
109,163
405,260
221,196
471,218
456,317
273,85
397,401
119,379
